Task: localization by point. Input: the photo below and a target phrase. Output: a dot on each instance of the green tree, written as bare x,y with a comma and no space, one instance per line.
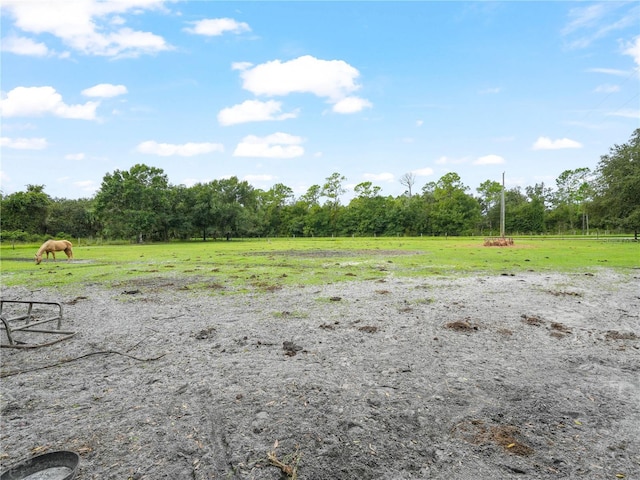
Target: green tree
366,213
617,186
413,215
572,194
536,211
312,196
180,222
333,189
26,211
273,204
490,203
305,215
516,214
134,203
204,210
73,217
238,204
455,212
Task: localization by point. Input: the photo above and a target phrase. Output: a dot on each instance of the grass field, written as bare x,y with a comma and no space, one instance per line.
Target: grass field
272,263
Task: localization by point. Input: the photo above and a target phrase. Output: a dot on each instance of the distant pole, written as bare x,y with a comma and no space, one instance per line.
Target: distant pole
502,209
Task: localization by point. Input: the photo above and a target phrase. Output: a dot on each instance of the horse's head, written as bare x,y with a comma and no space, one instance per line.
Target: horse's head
38,259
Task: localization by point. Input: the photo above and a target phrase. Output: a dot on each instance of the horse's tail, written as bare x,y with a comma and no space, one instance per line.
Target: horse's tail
68,250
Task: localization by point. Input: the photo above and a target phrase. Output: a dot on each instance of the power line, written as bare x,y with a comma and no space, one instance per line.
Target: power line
632,74
626,103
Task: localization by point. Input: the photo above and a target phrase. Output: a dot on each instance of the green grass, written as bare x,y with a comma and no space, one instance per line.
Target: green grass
266,265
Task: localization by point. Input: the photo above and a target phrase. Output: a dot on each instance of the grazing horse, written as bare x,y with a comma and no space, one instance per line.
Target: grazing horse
53,246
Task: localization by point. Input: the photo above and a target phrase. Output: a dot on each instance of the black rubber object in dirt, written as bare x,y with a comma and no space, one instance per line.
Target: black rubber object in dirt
61,465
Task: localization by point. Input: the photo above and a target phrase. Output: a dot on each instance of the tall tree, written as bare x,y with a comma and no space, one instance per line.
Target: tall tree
332,190
180,222
490,194
408,180
572,193
516,211
204,209
312,196
134,203
617,185
414,214
455,212
238,203
366,190
273,207
537,207
304,216
366,213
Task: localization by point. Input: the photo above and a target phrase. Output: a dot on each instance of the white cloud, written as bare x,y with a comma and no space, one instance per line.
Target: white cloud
38,101
423,172
277,145
444,160
90,26
212,27
129,43
489,160
633,49
490,91
184,150
24,46
419,123
625,113
583,17
105,90
545,143
595,21
380,177
24,143
259,178
609,71
74,156
253,111
88,186
606,89
334,80
351,105
241,65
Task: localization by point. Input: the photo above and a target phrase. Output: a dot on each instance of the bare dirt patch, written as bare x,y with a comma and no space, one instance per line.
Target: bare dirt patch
317,253
341,382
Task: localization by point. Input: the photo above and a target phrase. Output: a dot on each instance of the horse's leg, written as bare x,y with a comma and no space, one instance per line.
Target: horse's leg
54,255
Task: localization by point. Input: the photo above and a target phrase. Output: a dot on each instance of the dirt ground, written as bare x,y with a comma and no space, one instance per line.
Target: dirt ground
529,375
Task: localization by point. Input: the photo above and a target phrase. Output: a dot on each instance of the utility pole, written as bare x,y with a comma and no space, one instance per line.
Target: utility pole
502,209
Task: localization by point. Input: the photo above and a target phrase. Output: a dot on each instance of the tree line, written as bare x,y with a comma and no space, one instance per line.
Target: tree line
141,205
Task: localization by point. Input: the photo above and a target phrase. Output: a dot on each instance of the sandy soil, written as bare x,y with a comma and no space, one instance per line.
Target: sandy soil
531,375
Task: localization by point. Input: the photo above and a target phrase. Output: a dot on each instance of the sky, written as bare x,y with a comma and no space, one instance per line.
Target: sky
290,92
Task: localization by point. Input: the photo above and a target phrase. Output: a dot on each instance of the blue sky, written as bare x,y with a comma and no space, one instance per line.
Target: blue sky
290,92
